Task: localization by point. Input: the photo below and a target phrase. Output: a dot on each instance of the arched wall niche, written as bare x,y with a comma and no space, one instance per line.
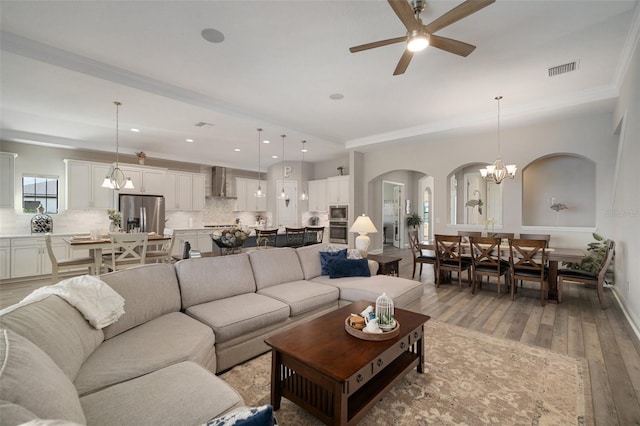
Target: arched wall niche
472,200
555,181
410,179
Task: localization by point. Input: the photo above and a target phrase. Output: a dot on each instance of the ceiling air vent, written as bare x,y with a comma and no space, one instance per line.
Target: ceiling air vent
564,68
203,124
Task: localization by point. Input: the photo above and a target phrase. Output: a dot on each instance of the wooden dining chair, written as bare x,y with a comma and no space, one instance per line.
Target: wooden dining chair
313,235
528,260
294,237
266,237
449,258
163,254
127,249
596,279
468,234
487,261
418,256
501,235
69,264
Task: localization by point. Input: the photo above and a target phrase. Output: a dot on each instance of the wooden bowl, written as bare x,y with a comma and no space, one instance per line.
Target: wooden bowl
376,337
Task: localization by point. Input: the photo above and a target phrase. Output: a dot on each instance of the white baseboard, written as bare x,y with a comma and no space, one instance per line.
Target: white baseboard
631,319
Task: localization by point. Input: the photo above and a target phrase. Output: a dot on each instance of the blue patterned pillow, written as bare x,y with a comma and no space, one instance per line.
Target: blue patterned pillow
252,416
325,256
340,268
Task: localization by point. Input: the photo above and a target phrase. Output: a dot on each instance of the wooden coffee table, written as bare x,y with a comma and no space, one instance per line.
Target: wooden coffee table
338,377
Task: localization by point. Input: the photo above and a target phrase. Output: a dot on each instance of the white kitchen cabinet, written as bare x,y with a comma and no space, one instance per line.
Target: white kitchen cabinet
146,180
318,195
184,191
84,185
5,258
29,256
247,202
338,190
7,179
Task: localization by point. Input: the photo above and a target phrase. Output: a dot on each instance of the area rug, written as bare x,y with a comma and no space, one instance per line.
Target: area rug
470,379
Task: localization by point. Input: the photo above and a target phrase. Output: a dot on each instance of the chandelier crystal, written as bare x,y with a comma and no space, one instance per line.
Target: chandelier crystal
117,179
498,171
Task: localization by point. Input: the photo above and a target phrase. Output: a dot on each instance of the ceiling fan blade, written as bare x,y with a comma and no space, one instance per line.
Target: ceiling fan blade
457,13
405,13
451,45
375,44
403,63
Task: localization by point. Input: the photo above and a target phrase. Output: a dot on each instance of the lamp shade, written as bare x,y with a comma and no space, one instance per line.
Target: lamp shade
363,225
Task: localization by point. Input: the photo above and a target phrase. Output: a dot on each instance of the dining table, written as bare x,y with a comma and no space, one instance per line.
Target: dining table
554,256
96,245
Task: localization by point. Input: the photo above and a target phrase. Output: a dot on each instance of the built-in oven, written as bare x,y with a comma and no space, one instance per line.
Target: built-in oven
338,231
339,224
340,212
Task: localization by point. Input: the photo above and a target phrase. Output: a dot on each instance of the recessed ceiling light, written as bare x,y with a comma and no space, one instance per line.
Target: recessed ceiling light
135,130
304,150
336,96
236,149
212,35
189,140
274,156
266,141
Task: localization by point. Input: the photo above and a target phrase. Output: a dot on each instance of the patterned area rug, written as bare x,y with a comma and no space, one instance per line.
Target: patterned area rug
470,379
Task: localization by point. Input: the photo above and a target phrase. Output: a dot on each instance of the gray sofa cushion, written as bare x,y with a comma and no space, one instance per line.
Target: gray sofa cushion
182,394
58,329
166,340
401,290
149,291
213,278
302,296
275,266
309,258
12,414
29,378
238,315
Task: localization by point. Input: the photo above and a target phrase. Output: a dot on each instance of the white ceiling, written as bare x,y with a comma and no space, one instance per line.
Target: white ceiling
63,63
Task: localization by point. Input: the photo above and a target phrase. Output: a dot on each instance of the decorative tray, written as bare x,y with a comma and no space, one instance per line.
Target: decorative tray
377,337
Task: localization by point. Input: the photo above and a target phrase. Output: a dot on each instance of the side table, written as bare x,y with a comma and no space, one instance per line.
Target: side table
389,265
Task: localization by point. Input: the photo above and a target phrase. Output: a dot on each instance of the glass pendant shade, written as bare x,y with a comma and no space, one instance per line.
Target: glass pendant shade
283,194
259,193
304,196
117,179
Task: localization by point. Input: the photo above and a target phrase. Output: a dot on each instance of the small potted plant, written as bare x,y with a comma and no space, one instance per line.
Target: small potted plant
414,220
141,156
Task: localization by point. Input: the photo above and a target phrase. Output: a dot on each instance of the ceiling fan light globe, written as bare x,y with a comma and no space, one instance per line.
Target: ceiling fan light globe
417,43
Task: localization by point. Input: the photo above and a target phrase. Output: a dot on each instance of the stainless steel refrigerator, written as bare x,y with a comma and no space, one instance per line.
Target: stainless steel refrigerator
143,212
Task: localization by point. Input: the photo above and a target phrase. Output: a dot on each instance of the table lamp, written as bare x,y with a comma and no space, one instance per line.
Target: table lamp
363,226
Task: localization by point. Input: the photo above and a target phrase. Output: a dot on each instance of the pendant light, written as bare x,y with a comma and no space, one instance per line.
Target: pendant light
117,180
283,194
259,192
497,172
304,196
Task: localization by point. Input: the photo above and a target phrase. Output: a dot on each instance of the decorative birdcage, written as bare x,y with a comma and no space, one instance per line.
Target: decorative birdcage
384,312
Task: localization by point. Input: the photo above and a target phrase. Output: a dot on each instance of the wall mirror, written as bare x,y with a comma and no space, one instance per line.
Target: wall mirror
473,200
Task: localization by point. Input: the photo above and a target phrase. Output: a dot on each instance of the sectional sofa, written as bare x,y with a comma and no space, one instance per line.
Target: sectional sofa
182,324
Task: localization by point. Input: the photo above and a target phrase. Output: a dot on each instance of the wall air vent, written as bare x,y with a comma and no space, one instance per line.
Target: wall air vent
562,69
203,124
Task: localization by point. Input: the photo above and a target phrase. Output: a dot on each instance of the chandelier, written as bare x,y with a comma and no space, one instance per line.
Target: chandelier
497,172
117,180
304,196
259,193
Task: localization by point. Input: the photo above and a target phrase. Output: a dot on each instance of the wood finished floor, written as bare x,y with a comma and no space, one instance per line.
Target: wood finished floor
577,328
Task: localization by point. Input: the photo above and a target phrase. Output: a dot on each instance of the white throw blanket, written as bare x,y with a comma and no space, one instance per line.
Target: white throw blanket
100,304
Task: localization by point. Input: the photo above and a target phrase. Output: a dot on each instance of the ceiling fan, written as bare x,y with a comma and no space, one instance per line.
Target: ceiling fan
419,36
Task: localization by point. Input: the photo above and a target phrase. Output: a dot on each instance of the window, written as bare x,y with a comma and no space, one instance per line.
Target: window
37,190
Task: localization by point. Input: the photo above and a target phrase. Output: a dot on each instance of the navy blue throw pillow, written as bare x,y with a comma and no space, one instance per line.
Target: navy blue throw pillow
325,256
340,268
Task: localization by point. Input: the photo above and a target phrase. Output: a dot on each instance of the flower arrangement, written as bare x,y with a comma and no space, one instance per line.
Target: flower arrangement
115,217
141,155
229,238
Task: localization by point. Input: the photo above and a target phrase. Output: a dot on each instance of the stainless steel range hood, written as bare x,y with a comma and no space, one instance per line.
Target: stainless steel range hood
223,182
